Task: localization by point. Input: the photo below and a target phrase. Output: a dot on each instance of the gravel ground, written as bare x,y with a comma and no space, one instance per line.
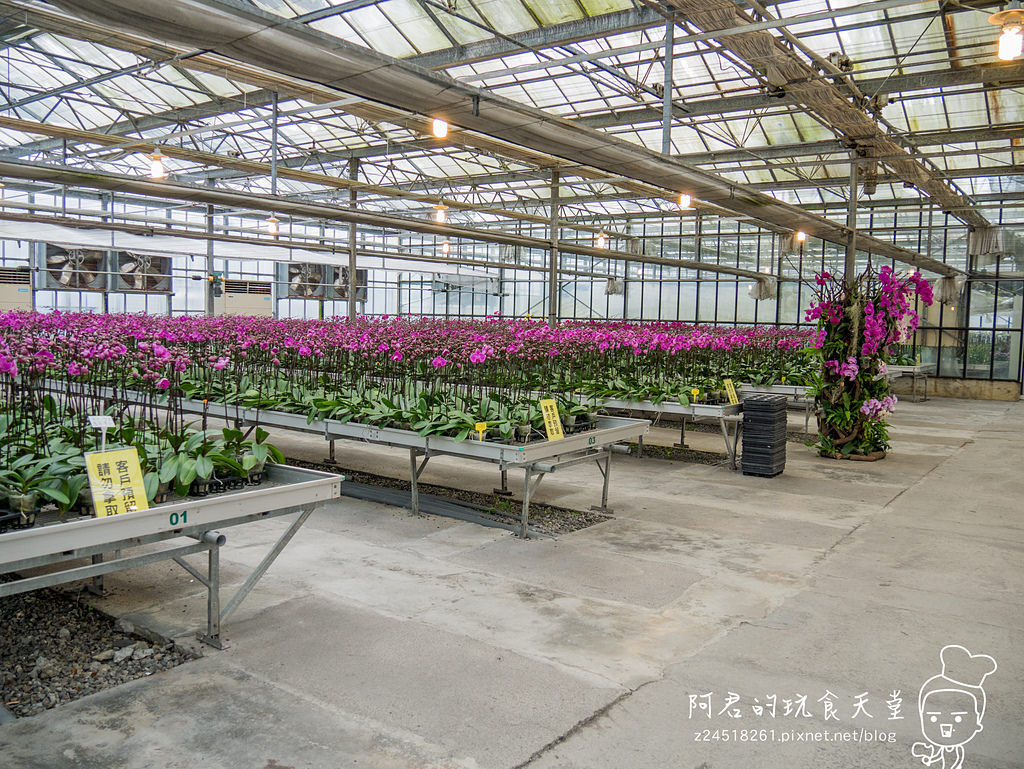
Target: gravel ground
55,649
544,519
693,456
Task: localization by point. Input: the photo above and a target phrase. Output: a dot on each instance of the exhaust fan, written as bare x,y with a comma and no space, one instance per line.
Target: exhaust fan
75,269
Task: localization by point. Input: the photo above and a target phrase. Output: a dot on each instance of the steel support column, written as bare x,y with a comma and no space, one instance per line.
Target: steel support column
273,144
553,251
850,265
666,99
208,296
353,174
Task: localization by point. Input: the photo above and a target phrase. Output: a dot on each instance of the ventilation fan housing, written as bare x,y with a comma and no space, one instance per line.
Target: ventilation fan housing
304,280
339,288
73,269
141,272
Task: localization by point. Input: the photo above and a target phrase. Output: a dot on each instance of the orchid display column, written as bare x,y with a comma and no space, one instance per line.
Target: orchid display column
857,324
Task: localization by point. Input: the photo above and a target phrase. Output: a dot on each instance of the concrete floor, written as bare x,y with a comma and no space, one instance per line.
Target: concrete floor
390,641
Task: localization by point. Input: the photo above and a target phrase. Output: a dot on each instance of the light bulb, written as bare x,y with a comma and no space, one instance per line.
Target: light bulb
1011,43
156,166
439,127
684,200
272,225
801,236
440,213
446,247
602,239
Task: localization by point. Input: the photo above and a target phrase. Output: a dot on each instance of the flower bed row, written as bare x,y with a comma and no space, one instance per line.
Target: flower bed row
433,377
44,449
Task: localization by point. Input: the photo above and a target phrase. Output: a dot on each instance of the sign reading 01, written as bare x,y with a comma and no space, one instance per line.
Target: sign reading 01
552,422
115,479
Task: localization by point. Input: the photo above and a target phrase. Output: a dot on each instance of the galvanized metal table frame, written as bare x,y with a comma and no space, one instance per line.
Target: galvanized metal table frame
920,372
290,490
728,415
536,458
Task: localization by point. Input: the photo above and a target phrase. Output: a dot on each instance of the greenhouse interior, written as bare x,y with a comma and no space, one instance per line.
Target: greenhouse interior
511,384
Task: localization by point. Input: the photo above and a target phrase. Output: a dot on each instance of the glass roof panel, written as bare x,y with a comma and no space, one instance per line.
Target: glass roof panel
686,140
508,16
37,79
1005,106
409,16
374,26
217,85
282,7
553,11
340,27
974,28
929,113
463,31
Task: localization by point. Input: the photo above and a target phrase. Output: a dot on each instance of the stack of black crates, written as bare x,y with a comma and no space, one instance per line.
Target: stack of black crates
764,435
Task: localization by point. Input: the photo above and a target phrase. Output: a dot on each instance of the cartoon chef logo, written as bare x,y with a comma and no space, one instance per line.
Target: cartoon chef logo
952,705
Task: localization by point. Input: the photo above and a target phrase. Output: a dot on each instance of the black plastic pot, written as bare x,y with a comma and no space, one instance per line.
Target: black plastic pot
233,483
162,492
10,521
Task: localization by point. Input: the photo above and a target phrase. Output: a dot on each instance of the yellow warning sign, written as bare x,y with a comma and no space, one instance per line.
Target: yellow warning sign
115,479
730,390
552,423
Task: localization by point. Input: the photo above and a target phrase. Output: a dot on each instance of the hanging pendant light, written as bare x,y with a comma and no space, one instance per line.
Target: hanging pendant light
439,128
446,247
801,236
156,166
440,213
602,239
272,225
1011,41
684,200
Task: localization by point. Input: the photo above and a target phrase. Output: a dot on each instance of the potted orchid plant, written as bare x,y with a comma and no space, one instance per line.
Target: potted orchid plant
858,323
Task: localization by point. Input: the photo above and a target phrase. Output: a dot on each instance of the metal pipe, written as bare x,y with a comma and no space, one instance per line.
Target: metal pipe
297,244
214,538
850,264
353,174
213,598
524,521
666,99
553,232
273,143
252,167
248,201
208,307
414,486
